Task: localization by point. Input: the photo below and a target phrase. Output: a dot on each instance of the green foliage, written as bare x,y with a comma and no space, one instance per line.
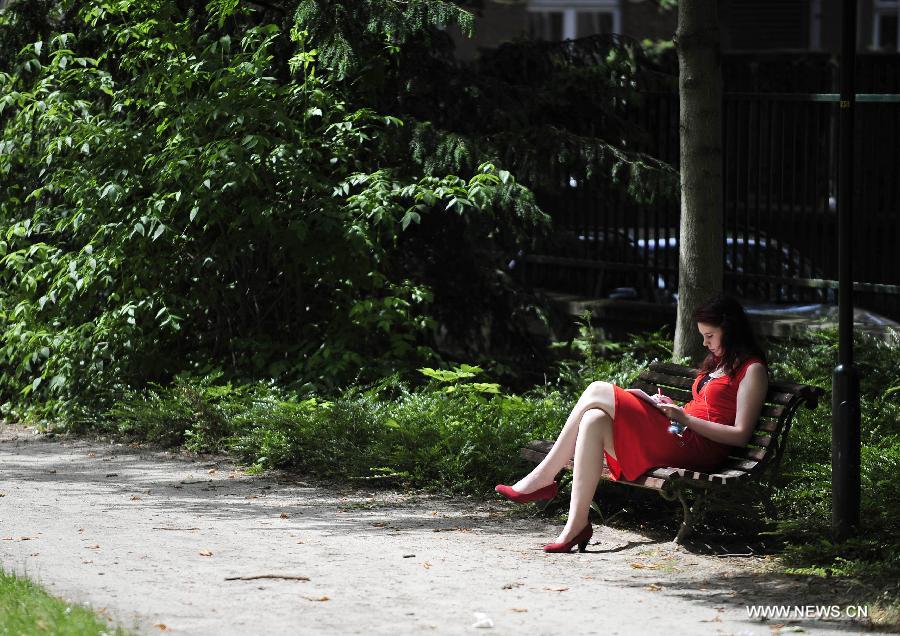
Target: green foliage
183,187
456,435
804,491
557,111
27,610
360,38
589,357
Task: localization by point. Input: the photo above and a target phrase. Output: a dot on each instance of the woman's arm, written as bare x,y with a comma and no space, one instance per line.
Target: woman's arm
750,397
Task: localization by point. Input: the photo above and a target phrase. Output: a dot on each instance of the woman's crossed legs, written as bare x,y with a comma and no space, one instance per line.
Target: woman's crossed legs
588,431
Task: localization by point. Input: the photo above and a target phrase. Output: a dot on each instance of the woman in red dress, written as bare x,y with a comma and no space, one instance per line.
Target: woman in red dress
633,436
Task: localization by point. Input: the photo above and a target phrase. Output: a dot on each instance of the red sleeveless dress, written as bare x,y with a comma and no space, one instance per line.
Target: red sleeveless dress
642,440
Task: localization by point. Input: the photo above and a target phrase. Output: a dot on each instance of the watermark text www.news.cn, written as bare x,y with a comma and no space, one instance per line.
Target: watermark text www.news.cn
783,612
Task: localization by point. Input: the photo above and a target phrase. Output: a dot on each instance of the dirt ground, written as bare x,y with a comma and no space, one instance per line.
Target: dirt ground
154,540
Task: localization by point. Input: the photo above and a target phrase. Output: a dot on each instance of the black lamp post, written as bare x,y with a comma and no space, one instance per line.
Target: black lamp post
845,436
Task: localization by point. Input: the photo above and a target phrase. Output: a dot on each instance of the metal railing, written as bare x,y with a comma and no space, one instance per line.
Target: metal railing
780,178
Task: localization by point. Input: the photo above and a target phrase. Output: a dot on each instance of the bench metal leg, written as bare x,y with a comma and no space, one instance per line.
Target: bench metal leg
691,512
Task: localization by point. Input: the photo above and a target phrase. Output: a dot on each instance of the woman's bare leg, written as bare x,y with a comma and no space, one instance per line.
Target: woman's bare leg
598,395
595,434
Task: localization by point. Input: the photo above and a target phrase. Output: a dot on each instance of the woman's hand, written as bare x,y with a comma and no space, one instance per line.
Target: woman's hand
659,398
674,412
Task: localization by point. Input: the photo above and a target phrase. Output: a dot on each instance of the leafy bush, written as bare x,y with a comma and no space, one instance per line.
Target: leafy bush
804,491
455,434
183,187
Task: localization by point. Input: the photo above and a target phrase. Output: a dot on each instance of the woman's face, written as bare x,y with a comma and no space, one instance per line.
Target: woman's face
712,338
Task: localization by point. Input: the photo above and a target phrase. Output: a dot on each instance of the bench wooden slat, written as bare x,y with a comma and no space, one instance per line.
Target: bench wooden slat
772,410
540,445
779,397
745,465
670,368
766,425
757,454
659,379
761,440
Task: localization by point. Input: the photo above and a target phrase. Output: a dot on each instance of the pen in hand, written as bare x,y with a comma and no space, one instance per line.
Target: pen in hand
676,428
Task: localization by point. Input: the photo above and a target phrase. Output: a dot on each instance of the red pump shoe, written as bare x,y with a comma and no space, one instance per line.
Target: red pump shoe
547,492
581,539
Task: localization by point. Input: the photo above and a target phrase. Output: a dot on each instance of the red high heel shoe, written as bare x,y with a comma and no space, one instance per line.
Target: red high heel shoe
547,492
581,539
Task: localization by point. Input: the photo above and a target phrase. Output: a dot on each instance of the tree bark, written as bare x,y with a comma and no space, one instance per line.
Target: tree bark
700,268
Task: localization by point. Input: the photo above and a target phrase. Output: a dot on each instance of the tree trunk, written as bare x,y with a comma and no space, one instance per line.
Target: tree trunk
700,126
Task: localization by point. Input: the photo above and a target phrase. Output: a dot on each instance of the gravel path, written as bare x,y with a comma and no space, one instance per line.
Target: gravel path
151,538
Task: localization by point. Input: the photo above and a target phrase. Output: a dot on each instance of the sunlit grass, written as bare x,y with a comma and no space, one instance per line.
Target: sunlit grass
26,609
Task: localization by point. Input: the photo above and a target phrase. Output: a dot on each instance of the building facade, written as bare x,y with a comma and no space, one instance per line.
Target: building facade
747,25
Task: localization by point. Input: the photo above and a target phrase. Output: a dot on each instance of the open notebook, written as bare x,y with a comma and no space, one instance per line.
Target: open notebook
644,396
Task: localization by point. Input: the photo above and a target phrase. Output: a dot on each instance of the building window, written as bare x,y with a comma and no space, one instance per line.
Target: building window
886,34
554,20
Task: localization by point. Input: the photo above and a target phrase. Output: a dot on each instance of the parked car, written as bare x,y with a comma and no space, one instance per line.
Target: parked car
762,265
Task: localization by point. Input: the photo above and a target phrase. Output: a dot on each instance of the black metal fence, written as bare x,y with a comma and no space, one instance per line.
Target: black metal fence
780,156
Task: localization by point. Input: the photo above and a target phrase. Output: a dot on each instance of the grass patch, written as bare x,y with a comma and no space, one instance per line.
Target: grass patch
26,609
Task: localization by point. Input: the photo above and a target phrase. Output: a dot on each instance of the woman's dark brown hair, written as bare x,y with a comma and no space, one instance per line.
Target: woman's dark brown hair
738,340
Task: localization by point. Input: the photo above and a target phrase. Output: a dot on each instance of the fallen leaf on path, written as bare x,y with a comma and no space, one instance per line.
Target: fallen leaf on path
92,547
379,524
510,586
211,471
205,553
92,454
717,619
426,565
283,515
251,497
25,538
653,587
556,589
161,627
519,609
135,497
317,598
2,494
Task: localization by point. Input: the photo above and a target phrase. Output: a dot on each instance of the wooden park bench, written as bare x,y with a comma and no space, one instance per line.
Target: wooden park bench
761,455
